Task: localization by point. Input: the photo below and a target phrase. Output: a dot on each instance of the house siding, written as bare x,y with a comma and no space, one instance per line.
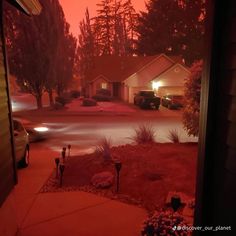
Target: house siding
7,170
143,77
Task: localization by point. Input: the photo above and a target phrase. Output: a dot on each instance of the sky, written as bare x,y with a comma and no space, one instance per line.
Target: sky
74,11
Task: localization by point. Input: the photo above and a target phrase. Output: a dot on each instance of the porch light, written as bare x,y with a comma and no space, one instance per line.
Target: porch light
156,85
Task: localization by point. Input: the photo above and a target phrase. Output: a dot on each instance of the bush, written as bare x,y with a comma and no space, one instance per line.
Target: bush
103,179
165,223
62,100
102,98
144,134
88,102
174,136
192,91
104,92
57,105
74,93
104,148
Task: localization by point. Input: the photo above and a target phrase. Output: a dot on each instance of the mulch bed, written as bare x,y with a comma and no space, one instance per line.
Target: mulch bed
149,172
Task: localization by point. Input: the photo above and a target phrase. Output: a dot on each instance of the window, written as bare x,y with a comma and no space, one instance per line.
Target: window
104,85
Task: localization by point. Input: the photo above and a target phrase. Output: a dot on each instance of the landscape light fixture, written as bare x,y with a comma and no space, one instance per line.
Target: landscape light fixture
118,166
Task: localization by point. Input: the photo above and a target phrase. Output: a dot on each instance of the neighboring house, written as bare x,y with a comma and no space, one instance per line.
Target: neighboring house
124,76
8,175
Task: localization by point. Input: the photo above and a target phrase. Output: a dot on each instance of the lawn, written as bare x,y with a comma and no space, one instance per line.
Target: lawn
149,172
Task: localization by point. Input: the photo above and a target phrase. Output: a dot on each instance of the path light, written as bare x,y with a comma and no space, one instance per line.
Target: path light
118,166
63,153
175,202
69,147
57,160
61,168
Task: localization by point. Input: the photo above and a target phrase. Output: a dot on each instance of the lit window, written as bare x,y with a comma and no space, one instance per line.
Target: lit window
104,85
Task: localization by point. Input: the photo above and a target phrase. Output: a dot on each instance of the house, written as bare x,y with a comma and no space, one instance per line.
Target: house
124,76
8,174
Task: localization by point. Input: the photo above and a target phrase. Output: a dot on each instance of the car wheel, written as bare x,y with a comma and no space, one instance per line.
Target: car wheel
25,160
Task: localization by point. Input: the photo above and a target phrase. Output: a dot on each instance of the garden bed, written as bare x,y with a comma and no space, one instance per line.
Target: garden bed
149,172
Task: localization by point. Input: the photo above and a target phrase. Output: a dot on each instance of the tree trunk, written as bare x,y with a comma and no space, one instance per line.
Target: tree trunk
51,100
39,101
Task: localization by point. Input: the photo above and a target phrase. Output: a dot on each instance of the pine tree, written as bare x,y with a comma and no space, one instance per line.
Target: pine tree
173,27
86,49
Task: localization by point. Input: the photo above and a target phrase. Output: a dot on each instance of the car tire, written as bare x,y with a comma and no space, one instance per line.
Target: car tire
25,160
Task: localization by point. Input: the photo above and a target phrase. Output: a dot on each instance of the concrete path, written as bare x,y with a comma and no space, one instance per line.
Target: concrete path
68,213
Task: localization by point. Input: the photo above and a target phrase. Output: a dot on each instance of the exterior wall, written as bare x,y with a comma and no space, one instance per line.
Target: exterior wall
97,84
132,91
8,225
169,90
172,81
144,76
7,170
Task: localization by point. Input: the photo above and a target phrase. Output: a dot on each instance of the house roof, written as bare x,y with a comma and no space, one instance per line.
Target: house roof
117,68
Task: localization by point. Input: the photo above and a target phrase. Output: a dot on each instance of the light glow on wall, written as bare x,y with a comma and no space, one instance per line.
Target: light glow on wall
156,85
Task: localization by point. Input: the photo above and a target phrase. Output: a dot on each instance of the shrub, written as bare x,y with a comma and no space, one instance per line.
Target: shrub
89,102
104,148
103,179
74,93
100,97
57,105
62,100
105,92
192,99
144,134
174,136
165,223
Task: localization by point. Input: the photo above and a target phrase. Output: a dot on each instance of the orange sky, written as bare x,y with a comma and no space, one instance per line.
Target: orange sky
74,10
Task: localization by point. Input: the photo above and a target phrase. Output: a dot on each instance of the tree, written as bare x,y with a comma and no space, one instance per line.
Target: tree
86,49
114,28
192,99
33,46
173,27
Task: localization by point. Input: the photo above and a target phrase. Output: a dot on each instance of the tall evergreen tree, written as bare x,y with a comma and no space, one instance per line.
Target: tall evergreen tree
86,49
174,27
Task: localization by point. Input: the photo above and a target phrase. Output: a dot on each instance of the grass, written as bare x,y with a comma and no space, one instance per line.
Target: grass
104,148
174,136
145,133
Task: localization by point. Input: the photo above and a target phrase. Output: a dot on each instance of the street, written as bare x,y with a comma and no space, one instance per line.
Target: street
83,133
84,130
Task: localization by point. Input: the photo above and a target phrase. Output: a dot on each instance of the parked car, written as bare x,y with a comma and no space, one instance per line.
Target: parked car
147,99
172,101
36,131
21,138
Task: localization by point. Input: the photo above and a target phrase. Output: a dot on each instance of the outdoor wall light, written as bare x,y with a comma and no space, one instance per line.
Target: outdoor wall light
156,85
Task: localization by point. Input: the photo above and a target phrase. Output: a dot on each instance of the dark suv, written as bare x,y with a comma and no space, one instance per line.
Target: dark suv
147,99
172,101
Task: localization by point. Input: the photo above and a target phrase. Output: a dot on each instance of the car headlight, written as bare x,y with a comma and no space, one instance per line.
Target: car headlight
41,129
